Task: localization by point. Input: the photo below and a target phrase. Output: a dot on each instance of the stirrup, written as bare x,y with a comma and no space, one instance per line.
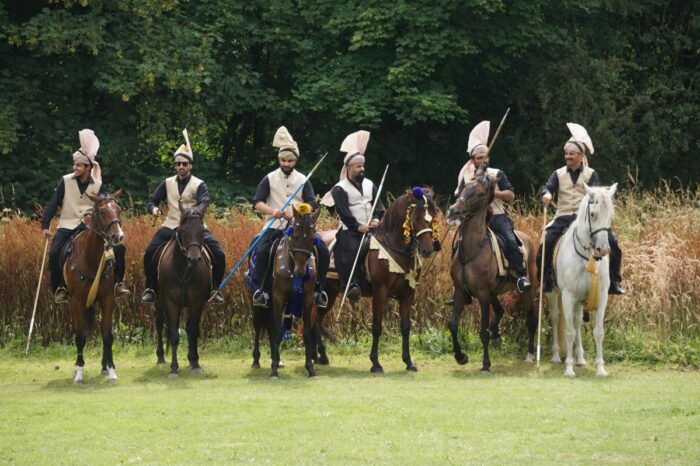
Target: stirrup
216,297
261,299
61,295
523,284
321,299
149,296
354,293
615,288
120,290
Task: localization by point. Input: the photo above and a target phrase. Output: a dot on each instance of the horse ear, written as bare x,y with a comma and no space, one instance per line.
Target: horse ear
117,194
294,211
612,190
589,191
316,215
201,209
179,204
90,196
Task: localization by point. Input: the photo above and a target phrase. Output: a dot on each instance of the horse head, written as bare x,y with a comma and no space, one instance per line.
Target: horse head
105,217
301,242
597,212
475,196
421,220
190,233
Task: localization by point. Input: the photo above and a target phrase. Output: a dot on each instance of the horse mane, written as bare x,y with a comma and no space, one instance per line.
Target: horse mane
396,213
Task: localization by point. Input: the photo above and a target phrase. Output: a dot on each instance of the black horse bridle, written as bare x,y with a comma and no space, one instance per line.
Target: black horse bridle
189,270
102,230
293,250
592,234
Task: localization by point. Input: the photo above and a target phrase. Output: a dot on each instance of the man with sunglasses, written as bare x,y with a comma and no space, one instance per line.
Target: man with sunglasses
72,196
190,191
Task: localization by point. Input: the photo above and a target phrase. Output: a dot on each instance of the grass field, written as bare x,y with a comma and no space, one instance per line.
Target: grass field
444,414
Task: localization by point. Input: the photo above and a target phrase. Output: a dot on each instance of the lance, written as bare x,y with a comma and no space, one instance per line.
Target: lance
36,298
354,264
269,224
539,311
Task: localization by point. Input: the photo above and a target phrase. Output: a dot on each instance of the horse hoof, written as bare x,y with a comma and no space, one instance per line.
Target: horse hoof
160,362
274,377
113,380
530,358
255,365
496,342
104,372
197,370
281,365
412,368
323,360
173,375
461,359
78,381
485,371
581,364
601,372
556,360
377,369
569,373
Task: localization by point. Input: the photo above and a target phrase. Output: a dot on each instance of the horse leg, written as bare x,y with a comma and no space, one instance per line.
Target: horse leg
378,303
258,322
554,314
404,311
568,302
485,333
531,319
274,331
160,320
578,344
322,357
309,335
172,312
80,337
453,325
599,333
193,320
107,338
498,312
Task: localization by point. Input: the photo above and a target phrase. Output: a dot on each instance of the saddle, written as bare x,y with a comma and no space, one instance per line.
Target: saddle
328,237
65,254
498,244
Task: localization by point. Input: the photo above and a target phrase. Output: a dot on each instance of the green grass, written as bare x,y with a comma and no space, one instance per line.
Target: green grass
443,414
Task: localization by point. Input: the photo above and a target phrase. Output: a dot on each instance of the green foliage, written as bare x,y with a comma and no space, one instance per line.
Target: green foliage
417,74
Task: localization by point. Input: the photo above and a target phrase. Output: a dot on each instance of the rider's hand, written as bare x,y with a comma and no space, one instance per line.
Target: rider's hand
546,198
155,212
288,214
374,223
363,229
278,213
46,233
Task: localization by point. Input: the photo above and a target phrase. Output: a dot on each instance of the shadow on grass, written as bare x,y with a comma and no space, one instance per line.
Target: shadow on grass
160,374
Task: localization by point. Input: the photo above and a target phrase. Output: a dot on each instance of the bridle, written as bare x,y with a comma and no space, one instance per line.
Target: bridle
189,270
591,235
102,230
293,250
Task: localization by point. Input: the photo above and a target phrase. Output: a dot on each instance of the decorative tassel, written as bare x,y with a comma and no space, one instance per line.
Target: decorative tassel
594,287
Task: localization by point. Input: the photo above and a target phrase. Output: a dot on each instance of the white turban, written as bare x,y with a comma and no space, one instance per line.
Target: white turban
479,136
285,143
89,145
184,152
354,145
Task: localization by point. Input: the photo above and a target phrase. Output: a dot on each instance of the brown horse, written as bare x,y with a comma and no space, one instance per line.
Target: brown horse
184,275
89,249
474,269
406,233
293,281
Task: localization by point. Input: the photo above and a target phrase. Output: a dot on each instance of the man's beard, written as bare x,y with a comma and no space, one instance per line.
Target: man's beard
359,178
287,171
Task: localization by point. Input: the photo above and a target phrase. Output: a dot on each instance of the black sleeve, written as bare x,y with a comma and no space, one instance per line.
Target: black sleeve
53,205
342,206
158,196
552,184
594,180
379,209
308,196
504,183
202,196
262,192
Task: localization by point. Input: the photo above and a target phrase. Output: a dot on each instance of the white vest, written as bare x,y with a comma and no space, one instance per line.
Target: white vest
360,203
188,199
75,205
497,204
281,188
570,195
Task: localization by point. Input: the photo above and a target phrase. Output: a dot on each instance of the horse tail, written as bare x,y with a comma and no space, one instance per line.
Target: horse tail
90,318
561,328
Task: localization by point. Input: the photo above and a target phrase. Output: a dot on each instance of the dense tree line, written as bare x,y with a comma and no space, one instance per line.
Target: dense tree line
417,74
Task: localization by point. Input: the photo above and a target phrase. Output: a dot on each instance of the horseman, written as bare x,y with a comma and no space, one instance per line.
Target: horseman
500,223
72,196
190,192
567,183
353,197
270,196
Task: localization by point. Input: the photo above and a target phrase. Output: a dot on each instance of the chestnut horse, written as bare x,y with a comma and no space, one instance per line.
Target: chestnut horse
293,281
406,233
474,269
89,249
184,275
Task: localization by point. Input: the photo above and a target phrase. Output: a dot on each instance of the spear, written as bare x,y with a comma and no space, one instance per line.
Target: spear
354,264
269,224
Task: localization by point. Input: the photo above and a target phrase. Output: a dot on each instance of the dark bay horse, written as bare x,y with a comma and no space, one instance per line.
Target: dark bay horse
406,233
475,270
91,260
184,275
293,281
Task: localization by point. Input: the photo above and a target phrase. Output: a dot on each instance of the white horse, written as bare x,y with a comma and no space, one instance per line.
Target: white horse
587,236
